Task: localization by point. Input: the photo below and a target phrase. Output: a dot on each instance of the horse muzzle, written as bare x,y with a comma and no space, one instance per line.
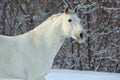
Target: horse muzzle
81,38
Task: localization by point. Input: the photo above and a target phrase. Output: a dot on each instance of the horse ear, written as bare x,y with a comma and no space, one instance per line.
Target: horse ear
76,10
66,10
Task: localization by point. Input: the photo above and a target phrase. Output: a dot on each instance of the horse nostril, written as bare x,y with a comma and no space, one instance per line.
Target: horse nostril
81,35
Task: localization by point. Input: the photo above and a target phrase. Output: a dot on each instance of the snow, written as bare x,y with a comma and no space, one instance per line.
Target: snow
58,74
62,74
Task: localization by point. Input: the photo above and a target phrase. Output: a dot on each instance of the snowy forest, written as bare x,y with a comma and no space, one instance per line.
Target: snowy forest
100,19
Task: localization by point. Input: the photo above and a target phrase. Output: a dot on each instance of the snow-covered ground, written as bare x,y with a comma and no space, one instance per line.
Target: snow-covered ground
61,74
57,74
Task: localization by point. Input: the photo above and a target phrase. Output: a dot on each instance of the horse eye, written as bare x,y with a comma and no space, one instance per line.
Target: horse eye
70,20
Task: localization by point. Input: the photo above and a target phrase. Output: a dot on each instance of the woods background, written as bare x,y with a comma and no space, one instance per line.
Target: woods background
100,18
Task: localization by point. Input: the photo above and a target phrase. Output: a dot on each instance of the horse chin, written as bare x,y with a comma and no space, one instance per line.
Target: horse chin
79,41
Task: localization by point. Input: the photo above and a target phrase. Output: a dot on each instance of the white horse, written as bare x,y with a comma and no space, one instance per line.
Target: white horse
30,56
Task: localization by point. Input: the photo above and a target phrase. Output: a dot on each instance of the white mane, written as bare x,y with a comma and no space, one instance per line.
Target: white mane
52,18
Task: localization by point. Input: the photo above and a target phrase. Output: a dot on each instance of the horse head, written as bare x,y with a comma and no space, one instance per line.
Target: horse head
72,26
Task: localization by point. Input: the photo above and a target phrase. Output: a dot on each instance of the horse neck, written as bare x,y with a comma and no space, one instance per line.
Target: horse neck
49,34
